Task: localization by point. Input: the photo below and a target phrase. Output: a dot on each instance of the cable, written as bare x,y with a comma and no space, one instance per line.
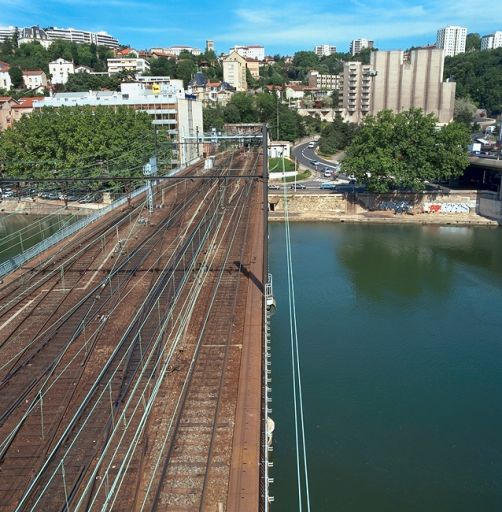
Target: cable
295,361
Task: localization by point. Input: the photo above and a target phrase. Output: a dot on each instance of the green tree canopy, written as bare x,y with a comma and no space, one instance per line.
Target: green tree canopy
16,76
336,136
473,42
78,142
405,150
478,76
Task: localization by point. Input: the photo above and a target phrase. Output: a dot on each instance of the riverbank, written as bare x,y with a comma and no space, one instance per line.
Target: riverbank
45,207
385,218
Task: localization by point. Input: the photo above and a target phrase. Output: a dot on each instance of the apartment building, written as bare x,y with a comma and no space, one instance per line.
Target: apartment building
82,36
451,39
357,45
60,70
127,64
356,83
5,81
256,52
234,71
254,68
6,33
324,50
324,82
492,41
399,85
171,109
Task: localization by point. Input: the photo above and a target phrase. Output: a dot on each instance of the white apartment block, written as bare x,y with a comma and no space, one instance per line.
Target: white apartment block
359,44
256,52
451,39
6,32
492,41
325,82
82,36
168,107
325,50
127,64
60,69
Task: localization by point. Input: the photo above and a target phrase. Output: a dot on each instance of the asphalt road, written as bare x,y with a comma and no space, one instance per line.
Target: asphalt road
305,155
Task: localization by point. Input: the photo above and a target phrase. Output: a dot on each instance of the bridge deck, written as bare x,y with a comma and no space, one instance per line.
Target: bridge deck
130,357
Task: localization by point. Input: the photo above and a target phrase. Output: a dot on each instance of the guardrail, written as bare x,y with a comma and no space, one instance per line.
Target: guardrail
16,261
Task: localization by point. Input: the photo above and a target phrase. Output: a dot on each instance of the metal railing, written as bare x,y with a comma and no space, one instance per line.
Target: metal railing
266,444
16,261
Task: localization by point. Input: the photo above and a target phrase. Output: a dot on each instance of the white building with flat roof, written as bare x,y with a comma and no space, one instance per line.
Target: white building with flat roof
82,36
359,44
180,114
255,51
451,39
127,64
325,50
492,41
6,32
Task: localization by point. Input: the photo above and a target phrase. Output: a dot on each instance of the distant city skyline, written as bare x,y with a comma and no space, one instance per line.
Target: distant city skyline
282,27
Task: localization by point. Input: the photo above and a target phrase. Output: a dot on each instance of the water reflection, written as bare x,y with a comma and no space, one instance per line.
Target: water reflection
409,261
19,232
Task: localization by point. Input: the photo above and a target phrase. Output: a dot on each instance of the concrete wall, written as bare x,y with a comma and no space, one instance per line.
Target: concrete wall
491,208
309,203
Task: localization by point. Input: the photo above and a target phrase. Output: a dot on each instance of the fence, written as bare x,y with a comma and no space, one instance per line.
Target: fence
16,261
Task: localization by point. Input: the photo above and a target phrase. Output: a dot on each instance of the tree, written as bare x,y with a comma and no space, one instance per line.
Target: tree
473,42
163,67
405,150
185,70
336,136
213,118
231,114
464,112
246,107
16,77
78,142
478,76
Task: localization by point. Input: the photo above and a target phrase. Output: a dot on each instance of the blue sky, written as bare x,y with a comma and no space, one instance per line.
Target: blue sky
281,26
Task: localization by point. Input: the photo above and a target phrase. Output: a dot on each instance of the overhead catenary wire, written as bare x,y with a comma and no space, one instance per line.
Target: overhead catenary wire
300,441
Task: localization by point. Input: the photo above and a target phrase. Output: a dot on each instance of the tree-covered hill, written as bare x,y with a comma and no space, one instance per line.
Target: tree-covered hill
478,75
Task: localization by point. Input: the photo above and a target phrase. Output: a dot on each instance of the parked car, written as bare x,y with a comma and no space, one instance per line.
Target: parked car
298,186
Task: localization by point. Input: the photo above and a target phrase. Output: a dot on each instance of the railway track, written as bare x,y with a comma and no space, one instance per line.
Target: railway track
80,400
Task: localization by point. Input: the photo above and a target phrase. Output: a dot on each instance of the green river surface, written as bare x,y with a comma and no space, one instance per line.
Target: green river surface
400,331
18,232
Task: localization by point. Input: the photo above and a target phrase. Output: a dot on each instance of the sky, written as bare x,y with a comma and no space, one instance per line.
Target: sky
282,26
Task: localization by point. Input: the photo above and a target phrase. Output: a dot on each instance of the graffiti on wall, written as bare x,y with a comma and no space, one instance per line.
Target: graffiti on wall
396,206
446,208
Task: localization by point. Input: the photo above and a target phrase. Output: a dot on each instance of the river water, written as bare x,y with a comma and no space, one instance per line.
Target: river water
18,232
401,351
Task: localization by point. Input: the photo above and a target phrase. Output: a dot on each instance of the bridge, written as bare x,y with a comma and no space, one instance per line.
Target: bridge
133,352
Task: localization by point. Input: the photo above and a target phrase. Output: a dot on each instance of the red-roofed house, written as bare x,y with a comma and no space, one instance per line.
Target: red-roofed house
23,107
34,79
125,52
5,81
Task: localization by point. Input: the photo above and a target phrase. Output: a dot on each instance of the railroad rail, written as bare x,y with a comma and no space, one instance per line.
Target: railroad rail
121,352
